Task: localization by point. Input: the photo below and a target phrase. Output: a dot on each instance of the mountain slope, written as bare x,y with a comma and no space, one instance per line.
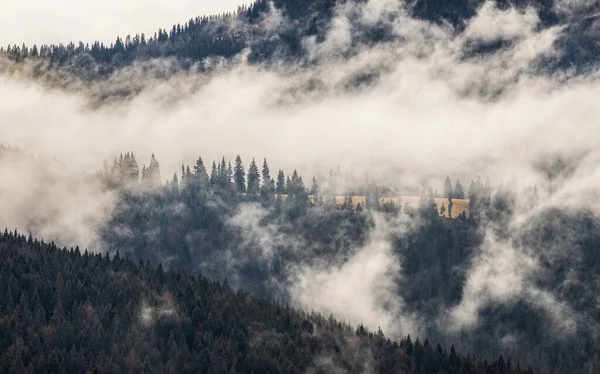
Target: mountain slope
274,32
63,311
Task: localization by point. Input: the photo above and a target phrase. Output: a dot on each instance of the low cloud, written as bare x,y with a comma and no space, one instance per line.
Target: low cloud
408,112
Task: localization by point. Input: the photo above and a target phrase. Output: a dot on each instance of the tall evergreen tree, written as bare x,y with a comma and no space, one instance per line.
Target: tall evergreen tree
314,190
200,173
280,186
474,193
333,182
293,185
372,197
448,190
266,174
289,188
175,184
239,175
229,174
131,168
223,182
253,179
152,174
266,191
449,194
214,176
459,192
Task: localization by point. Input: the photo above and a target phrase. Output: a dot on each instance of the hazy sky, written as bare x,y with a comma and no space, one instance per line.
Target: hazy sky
61,21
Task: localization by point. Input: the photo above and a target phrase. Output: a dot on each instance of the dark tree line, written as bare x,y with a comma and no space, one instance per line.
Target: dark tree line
64,311
226,35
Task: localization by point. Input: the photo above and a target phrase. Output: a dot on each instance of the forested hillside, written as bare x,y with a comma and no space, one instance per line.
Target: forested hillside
229,224
464,211
64,311
276,31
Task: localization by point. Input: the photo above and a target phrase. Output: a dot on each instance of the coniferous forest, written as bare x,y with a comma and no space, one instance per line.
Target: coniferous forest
461,235
196,43
64,311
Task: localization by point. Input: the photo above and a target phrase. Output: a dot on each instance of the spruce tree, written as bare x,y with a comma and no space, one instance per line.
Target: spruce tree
314,190
448,191
474,192
223,182
175,184
200,173
266,191
266,174
372,197
183,180
293,184
153,173
229,174
239,176
253,179
449,194
213,174
459,192
280,186
288,186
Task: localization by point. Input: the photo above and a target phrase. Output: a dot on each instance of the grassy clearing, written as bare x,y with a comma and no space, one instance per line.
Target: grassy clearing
459,205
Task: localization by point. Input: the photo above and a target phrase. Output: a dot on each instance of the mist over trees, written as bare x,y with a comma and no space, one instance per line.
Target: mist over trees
206,228
219,266
199,39
67,311
258,242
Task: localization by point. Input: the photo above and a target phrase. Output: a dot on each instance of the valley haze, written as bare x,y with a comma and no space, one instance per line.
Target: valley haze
477,99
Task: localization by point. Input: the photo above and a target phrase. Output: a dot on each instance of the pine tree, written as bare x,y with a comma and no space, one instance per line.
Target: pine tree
266,191
372,196
200,173
229,174
151,175
459,192
175,184
448,191
239,176
130,168
183,178
289,189
347,205
253,179
449,194
474,194
333,182
314,190
223,182
292,184
266,175
214,174
280,186
486,192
